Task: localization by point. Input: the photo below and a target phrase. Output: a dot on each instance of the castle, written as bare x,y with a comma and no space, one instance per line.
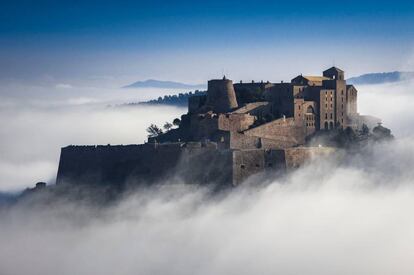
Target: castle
230,133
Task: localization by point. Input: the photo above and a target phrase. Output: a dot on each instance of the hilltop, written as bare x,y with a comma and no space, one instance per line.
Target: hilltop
379,78
153,83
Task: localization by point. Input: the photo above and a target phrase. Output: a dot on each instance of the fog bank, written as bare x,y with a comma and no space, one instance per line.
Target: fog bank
326,218
331,217
38,121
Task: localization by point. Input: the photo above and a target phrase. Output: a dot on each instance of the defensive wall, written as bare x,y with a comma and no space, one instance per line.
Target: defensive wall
192,162
142,164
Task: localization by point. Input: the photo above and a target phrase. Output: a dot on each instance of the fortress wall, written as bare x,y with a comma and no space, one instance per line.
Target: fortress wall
295,157
281,96
137,164
206,166
114,164
247,163
202,126
191,162
281,130
242,141
235,122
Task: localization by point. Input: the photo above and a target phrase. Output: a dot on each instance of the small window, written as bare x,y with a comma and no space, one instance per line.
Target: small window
326,115
331,116
242,166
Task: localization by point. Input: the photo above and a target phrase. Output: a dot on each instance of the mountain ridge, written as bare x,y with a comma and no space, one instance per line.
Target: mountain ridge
164,84
380,78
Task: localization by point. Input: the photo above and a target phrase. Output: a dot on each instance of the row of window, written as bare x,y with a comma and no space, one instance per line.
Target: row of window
243,166
329,125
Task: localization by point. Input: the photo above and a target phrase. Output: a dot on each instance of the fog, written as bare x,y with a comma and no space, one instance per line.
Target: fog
329,217
37,121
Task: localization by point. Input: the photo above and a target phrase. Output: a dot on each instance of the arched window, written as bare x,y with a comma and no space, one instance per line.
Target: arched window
310,110
258,143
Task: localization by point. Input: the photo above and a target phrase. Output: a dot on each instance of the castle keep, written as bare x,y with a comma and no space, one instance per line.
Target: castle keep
228,134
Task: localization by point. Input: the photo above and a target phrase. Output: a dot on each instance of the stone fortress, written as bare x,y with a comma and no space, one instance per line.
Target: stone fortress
229,134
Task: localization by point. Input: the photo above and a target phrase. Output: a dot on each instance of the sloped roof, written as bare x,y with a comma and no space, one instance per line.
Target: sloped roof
335,69
316,78
250,107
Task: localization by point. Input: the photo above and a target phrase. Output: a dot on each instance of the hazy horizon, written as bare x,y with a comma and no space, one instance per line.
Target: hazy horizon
102,44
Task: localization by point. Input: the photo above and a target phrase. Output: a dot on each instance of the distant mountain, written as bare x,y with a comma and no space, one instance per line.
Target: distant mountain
379,78
153,83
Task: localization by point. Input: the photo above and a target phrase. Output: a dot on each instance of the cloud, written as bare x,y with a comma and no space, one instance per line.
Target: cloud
63,86
331,217
326,218
36,125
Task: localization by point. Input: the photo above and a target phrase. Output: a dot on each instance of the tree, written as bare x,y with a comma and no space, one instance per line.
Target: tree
365,129
176,122
153,130
382,133
167,126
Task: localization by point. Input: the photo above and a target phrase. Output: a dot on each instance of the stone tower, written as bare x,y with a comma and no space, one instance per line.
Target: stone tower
221,96
338,83
334,73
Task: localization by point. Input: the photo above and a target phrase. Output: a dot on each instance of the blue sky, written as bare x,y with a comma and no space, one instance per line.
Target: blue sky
196,40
